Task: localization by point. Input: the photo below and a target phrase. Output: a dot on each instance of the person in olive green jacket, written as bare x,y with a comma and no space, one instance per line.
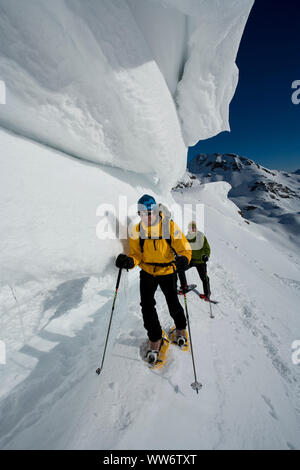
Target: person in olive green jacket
200,256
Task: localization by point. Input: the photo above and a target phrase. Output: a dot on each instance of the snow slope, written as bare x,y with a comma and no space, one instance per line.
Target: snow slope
92,79
51,397
98,80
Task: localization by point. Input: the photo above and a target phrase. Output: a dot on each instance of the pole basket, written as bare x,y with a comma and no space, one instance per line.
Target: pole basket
196,386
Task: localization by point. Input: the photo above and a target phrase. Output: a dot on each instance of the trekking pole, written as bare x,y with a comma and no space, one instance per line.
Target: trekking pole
195,385
98,371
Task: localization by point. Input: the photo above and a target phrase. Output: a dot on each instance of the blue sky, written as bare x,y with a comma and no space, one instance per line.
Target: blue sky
265,124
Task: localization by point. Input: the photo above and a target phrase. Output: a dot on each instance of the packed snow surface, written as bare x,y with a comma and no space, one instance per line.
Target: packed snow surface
54,323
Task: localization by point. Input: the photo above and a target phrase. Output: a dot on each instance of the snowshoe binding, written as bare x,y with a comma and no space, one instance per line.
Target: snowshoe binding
204,297
180,338
156,353
186,289
207,298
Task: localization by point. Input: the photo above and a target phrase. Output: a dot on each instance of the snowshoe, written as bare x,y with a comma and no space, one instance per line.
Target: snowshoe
180,338
204,297
151,357
186,289
207,299
156,354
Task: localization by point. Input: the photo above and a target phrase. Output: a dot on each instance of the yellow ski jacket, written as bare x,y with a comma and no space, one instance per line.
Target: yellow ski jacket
156,249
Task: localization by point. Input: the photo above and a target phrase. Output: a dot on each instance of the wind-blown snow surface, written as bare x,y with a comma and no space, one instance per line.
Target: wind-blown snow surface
55,326
98,79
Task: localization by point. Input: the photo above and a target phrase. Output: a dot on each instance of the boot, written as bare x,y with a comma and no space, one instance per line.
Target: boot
205,297
206,288
153,351
183,290
181,337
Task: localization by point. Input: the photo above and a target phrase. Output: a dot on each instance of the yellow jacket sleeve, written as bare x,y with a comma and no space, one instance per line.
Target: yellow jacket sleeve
135,249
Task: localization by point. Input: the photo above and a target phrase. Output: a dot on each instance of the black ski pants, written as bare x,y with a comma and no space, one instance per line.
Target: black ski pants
202,271
148,287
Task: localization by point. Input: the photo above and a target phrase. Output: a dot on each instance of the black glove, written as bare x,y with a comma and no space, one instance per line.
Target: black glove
181,263
205,258
124,262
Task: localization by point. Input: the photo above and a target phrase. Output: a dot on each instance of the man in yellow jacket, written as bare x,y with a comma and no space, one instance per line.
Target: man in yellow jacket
160,248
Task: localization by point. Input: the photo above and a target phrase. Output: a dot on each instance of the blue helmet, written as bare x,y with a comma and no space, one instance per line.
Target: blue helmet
146,203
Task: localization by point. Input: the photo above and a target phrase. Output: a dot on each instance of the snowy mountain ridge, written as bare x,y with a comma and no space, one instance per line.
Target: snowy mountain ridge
263,195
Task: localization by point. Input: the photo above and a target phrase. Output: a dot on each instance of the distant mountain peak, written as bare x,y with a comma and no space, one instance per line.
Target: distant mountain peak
225,161
260,193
